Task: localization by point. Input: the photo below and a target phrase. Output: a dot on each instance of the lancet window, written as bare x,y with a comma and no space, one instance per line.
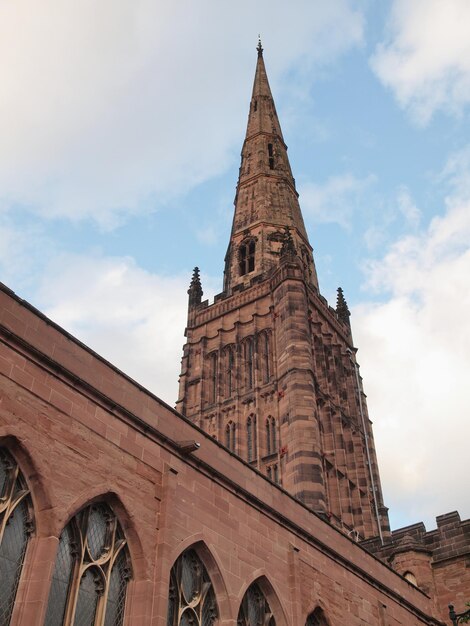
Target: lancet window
212,393
251,437
249,364
254,609
230,371
16,525
230,436
271,435
191,599
317,618
91,571
263,351
270,156
246,257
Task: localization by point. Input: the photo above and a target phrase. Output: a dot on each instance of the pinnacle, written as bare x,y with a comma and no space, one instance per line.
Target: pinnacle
195,288
342,309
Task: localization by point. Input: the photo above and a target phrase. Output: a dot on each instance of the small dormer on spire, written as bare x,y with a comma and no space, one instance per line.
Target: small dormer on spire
195,289
288,250
342,308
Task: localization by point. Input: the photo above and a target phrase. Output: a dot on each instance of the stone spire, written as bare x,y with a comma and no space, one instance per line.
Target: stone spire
342,307
266,200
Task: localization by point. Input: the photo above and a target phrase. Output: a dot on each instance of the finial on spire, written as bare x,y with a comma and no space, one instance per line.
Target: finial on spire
342,307
195,289
259,47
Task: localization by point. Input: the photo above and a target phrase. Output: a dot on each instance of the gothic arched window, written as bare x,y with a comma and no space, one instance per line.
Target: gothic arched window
249,364
317,618
91,571
230,374
254,609
191,599
16,525
251,438
271,435
246,257
212,394
263,350
230,437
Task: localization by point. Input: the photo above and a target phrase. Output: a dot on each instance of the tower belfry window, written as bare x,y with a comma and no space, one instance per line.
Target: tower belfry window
247,257
271,156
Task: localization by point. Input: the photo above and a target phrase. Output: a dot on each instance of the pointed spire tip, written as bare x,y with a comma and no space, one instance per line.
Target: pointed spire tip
259,47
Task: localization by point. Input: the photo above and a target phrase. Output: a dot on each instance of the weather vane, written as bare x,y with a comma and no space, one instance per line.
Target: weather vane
260,47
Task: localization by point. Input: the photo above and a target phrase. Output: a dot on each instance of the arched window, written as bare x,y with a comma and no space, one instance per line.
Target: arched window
212,394
254,609
191,596
230,437
271,435
246,257
251,438
230,374
264,356
249,364
317,618
91,571
16,525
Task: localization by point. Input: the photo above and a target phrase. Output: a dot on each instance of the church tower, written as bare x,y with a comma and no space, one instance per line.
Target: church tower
269,369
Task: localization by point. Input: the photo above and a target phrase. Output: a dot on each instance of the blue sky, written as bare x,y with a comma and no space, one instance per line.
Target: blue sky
122,125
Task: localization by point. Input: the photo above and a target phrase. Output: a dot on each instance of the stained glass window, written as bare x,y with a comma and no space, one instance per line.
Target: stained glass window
191,595
16,524
91,571
254,609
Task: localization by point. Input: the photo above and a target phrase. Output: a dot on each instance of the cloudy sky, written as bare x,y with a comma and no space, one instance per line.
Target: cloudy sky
121,125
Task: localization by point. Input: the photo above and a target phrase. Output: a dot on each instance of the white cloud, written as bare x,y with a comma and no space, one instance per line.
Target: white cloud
107,110
425,59
336,199
415,356
131,317
408,208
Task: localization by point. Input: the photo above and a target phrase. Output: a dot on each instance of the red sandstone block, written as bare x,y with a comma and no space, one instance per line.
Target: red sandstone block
21,377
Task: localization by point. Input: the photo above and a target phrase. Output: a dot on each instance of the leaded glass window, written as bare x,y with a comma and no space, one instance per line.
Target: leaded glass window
254,609
16,525
191,599
91,571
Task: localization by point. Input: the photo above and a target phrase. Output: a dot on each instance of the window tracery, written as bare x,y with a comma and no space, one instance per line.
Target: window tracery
91,571
16,525
192,599
254,609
